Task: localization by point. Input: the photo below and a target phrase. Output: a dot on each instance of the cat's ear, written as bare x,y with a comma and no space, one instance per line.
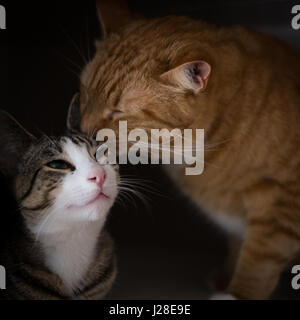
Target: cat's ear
74,116
191,75
114,14
14,141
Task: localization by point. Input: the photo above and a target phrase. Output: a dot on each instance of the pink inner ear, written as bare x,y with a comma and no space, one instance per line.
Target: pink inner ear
200,71
191,75
203,69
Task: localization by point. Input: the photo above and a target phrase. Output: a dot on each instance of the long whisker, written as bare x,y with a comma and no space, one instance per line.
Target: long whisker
44,224
74,44
158,147
139,195
142,187
69,60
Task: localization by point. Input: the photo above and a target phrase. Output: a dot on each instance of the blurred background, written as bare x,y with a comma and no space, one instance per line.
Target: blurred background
166,247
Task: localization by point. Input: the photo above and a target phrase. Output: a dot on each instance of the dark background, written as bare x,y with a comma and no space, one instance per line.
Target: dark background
167,248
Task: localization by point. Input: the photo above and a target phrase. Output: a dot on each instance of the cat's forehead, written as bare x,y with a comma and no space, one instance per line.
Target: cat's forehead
117,65
76,141
48,148
77,149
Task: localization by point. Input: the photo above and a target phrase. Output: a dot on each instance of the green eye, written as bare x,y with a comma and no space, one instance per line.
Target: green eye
60,165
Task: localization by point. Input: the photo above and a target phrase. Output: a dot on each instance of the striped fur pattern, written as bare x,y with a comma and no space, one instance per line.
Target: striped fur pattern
28,278
249,108
59,248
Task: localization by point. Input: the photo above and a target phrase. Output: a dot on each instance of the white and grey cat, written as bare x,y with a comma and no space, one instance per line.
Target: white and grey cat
59,248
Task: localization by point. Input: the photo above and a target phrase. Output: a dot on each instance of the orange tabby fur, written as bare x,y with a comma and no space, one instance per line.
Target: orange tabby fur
251,106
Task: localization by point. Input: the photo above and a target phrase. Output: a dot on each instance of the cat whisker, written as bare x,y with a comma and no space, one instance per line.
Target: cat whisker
143,187
119,199
128,198
44,224
75,45
158,147
207,147
139,195
138,179
167,148
70,61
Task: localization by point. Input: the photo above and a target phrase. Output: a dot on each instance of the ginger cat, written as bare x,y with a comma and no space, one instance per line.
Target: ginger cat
243,88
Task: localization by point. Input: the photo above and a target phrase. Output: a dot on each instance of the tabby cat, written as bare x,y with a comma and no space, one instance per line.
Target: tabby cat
243,89
58,248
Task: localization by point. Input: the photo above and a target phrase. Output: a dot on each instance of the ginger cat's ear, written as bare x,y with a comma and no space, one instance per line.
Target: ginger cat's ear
191,75
113,14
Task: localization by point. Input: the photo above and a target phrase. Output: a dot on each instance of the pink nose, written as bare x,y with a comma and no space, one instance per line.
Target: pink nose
97,176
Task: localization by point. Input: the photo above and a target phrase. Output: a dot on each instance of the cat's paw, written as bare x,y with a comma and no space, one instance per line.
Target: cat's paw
223,296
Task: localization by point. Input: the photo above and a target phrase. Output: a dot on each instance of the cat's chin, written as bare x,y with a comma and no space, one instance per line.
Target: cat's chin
94,213
94,201
97,209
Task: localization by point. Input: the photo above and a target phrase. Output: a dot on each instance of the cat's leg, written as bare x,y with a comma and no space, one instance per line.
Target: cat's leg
270,244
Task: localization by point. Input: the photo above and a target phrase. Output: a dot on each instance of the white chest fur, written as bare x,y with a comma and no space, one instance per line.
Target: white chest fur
230,224
69,254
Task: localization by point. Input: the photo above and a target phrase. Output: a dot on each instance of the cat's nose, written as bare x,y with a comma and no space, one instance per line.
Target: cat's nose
97,176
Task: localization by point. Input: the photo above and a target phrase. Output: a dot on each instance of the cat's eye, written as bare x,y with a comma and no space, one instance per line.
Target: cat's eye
60,165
